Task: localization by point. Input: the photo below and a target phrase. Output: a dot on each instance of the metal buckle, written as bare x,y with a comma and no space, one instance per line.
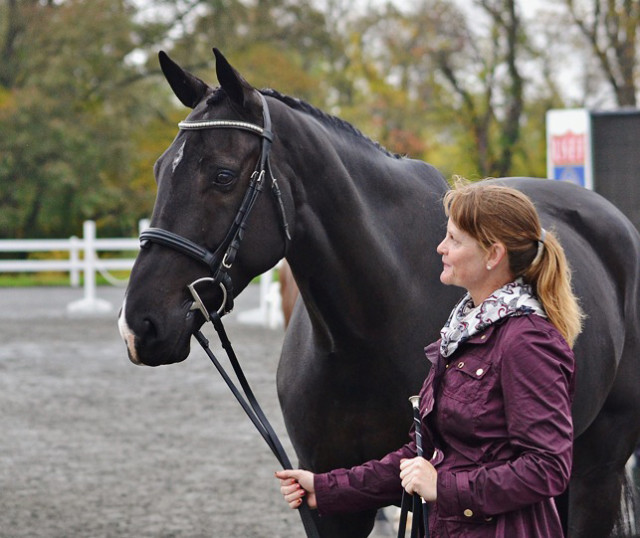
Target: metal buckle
198,303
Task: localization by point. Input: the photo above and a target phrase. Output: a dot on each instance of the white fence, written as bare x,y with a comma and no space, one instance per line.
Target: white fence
89,264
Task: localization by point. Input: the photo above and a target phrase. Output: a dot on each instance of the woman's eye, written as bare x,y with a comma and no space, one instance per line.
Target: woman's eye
224,177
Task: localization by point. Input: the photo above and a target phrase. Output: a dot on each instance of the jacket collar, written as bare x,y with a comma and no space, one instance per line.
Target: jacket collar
432,351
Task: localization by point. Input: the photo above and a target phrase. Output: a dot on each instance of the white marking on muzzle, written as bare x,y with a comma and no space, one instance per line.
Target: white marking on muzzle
127,335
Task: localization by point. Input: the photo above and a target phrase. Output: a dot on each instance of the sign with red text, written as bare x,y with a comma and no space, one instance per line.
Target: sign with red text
569,146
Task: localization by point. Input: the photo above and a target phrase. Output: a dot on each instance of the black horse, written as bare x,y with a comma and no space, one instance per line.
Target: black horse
364,225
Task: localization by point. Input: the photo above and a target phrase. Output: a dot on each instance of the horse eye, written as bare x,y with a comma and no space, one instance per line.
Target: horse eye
224,177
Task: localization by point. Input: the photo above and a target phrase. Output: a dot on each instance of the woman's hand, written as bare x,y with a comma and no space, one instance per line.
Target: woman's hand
419,476
296,484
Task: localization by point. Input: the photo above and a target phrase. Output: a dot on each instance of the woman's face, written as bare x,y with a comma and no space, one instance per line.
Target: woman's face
464,262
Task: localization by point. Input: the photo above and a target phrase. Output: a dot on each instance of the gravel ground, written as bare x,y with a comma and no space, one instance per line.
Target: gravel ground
94,446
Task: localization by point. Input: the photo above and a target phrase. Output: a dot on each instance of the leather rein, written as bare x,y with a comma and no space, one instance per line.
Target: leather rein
219,263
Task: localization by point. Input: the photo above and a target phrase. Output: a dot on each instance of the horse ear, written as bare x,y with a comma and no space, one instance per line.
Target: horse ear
187,87
234,85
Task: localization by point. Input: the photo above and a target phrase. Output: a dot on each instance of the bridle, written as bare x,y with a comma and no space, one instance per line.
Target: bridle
220,261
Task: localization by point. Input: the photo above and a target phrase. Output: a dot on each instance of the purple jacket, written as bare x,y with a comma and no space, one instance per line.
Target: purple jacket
500,433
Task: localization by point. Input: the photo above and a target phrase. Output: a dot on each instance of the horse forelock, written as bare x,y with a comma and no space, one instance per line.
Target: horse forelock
218,95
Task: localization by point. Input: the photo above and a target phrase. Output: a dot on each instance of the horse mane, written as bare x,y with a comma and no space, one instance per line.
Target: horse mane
306,108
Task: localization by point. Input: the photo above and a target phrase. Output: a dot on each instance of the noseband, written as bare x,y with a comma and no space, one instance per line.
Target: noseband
221,260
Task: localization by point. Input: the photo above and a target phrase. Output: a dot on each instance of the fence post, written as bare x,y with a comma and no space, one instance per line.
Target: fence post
265,286
74,259
89,304
269,310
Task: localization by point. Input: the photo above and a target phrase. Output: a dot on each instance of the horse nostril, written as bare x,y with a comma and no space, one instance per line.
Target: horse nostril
149,328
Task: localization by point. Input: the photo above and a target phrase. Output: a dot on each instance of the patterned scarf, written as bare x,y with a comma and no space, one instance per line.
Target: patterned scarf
467,320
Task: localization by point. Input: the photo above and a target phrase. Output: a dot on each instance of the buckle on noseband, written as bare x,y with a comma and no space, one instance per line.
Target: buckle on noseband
198,303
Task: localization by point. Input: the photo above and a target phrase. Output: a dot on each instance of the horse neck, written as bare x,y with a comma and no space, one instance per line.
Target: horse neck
367,225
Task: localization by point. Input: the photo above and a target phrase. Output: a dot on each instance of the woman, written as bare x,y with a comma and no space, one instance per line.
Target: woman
496,404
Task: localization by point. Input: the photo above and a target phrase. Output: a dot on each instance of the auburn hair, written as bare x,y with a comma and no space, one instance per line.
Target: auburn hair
492,214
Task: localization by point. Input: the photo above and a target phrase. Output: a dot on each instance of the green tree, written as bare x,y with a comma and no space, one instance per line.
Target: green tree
84,111
610,28
70,99
270,41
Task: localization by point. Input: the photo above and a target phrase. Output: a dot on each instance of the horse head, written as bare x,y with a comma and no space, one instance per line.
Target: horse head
209,226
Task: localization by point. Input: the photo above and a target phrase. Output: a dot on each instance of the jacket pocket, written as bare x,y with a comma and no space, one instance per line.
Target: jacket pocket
465,377
458,527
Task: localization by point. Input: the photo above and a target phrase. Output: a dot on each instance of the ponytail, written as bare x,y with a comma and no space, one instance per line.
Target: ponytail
550,278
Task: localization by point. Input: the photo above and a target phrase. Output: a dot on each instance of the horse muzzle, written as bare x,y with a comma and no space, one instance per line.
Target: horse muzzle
145,342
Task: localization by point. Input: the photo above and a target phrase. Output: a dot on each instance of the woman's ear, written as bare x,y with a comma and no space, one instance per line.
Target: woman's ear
496,254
